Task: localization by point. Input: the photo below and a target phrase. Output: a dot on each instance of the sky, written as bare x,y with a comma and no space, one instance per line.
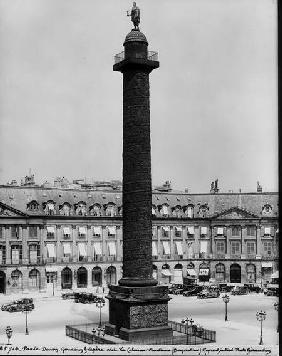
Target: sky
213,99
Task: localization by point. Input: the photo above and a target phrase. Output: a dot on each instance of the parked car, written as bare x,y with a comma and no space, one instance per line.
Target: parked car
193,291
225,288
209,293
85,298
69,295
18,305
272,290
239,290
174,287
252,287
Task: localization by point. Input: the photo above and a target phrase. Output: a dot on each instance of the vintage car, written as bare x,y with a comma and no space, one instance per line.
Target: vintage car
252,287
175,287
85,298
69,295
18,305
193,291
272,290
239,290
225,288
209,293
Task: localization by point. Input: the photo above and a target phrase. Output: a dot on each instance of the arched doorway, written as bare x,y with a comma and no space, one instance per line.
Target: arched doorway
34,278
155,272
81,276
2,282
235,273
111,275
96,276
66,277
251,273
166,274
16,280
204,272
178,274
220,272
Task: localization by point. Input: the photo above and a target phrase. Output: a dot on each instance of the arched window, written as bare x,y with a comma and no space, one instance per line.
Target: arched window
65,209
251,273
81,276
235,273
96,276
49,207
80,208
95,210
178,274
32,206
66,277
16,280
177,211
34,278
220,272
111,275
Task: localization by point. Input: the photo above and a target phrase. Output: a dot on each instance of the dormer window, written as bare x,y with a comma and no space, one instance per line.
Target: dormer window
95,210
164,210
267,209
49,207
189,211
203,210
32,206
110,210
177,211
65,209
80,209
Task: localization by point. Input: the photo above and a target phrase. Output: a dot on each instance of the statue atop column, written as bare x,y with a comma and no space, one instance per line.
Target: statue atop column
135,16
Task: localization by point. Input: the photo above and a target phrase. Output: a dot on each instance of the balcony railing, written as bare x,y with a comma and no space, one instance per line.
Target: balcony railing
151,56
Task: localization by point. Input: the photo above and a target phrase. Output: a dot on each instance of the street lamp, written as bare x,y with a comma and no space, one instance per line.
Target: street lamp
9,333
276,307
261,317
100,303
186,321
27,308
226,299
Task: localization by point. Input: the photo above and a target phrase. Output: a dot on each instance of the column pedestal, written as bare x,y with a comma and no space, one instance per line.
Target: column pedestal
139,314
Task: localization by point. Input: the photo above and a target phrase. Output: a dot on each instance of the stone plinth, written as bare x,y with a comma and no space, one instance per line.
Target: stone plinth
139,314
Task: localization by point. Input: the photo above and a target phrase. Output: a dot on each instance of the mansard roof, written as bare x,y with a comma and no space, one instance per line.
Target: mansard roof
19,197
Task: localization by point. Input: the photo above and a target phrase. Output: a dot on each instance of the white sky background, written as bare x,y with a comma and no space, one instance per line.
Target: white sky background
213,99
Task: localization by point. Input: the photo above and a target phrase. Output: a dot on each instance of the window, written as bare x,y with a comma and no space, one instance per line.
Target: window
65,209
251,230
51,253
190,231
204,230
166,248
178,231
235,230
80,209
2,255
16,254
66,232
95,210
267,209
179,248
15,231
50,231
235,248
110,210
111,231
220,231
50,208
32,206
267,247
203,210
97,231
97,251
177,212
190,211
67,249
267,231
220,272
251,248
220,247
82,231
165,231
34,253
164,211
33,231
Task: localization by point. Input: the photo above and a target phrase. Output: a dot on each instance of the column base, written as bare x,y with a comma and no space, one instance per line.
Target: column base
139,314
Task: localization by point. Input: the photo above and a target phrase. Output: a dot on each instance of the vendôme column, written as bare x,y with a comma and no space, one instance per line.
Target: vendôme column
137,306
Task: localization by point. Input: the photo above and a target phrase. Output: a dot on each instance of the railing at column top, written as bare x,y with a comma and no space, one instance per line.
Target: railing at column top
151,56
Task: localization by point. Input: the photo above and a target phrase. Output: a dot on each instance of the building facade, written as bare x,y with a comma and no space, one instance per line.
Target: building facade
64,239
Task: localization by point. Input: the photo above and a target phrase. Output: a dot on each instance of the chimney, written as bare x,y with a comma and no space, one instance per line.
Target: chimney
259,187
